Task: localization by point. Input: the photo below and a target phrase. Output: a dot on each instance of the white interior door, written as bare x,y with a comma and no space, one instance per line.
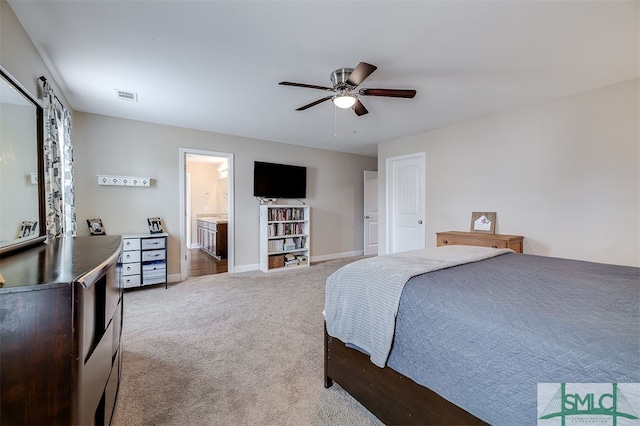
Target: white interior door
370,212
405,203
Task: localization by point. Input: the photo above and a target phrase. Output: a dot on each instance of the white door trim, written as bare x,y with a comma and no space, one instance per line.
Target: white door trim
230,208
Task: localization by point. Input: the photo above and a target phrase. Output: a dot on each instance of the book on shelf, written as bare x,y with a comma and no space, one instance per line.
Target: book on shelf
290,260
289,244
275,245
277,214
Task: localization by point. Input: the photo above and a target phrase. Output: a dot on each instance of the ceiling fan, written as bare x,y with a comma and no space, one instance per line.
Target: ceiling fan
345,81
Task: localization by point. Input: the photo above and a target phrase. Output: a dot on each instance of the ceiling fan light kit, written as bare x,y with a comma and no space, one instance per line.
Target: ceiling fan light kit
344,100
345,81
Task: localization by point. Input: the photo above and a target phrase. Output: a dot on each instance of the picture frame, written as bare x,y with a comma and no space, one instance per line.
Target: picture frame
483,222
27,228
95,226
155,225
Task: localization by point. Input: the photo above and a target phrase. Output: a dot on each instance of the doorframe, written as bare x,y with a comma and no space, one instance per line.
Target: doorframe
187,210
183,211
388,184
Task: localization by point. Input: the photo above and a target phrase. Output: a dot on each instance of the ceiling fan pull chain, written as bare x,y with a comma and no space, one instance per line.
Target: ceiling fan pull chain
335,122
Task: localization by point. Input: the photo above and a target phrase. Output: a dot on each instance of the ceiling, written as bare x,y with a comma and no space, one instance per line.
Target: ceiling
216,65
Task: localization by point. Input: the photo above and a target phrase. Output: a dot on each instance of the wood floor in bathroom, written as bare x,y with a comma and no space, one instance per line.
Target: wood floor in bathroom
200,263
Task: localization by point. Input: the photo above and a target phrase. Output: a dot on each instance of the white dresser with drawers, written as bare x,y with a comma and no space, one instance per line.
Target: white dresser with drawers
144,259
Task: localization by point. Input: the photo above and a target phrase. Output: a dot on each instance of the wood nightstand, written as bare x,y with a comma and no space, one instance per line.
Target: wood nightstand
513,242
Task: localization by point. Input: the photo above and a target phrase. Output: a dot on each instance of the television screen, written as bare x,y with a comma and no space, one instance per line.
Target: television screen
272,180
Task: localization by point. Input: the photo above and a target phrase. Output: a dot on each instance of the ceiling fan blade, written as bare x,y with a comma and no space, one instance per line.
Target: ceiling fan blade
308,86
302,108
390,93
360,73
359,108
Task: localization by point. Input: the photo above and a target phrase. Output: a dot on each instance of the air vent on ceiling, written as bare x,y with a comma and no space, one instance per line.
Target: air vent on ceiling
127,96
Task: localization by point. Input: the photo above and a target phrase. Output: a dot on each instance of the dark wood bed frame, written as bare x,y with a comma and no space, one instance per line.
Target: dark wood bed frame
390,396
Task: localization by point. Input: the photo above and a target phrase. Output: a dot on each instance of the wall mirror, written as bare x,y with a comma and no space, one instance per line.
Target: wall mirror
21,167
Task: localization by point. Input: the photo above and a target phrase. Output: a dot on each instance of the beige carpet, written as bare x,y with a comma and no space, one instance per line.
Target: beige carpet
231,349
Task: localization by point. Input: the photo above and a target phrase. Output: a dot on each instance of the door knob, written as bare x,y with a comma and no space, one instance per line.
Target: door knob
366,217
419,222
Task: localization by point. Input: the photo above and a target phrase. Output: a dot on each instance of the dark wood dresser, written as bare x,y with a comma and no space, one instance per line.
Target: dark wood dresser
60,327
513,242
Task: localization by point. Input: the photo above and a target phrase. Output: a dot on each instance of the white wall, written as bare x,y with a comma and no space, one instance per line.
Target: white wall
114,146
564,173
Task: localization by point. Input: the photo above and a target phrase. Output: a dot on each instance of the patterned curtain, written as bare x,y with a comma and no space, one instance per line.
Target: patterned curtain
58,166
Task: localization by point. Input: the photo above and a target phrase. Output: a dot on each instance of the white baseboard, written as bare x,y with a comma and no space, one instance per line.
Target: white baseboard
333,256
321,258
256,266
246,268
193,246
173,278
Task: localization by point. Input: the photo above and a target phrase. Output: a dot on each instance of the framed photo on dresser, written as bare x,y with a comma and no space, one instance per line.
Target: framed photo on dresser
95,227
155,225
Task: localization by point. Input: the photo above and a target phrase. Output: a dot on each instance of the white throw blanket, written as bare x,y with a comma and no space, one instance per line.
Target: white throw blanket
362,298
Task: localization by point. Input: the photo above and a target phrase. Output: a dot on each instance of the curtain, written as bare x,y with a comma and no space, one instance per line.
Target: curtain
58,166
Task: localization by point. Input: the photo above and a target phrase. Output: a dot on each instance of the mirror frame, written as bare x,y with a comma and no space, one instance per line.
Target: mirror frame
42,232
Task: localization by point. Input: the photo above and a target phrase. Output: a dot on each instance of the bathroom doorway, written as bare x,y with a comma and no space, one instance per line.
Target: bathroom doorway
207,212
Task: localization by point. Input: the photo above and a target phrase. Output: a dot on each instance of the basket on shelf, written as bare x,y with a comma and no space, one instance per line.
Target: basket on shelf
276,261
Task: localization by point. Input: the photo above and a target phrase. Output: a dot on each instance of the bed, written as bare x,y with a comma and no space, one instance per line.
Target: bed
475,331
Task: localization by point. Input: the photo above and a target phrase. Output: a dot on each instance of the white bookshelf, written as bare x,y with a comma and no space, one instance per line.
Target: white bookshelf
284,237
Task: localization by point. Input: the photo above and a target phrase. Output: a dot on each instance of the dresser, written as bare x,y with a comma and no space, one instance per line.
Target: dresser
144,259
60,325
513,242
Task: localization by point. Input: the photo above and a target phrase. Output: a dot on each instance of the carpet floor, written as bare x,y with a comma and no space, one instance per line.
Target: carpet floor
231,349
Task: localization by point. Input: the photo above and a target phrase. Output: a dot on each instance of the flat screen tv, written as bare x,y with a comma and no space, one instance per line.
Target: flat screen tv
272,180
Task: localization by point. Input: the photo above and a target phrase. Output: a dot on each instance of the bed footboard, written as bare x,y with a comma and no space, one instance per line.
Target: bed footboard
390,396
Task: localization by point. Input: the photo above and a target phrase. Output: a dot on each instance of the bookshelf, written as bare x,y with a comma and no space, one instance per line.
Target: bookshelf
284,237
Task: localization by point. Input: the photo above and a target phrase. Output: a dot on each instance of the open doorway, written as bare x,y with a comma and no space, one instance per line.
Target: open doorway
206,244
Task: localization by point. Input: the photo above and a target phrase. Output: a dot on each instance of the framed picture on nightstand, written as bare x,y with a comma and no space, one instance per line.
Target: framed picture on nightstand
483,222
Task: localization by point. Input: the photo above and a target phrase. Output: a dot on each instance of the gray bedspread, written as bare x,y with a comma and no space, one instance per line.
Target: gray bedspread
483,335
362,298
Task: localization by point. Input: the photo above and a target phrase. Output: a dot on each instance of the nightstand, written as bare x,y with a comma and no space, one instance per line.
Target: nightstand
513,242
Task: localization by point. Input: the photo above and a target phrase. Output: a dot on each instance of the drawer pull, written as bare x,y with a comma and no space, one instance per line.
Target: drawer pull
494,246
445,241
